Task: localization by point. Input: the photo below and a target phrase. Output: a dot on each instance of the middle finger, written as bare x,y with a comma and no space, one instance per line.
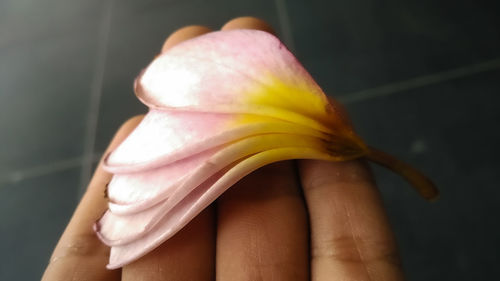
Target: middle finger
262,231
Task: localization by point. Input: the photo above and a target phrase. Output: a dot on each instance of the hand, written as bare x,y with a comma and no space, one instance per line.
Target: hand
314,220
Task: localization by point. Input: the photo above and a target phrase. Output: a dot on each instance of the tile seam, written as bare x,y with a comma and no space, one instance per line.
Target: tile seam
95,97
419,81
45,169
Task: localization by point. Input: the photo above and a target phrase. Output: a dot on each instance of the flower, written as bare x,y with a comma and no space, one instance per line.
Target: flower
221,105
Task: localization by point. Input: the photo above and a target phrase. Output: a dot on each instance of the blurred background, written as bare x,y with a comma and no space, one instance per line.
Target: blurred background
419,78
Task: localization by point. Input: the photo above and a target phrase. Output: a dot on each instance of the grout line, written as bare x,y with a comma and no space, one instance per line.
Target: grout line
418,82
95,96
36,171
285,25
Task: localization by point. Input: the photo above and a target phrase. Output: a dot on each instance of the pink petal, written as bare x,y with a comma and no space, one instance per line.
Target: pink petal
128,224
167,136
237,71
145,188
133,192
191,205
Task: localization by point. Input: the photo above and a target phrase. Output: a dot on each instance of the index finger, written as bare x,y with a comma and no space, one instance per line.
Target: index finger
79,255
350,235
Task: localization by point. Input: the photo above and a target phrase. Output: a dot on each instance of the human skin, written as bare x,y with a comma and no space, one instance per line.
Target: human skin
291,220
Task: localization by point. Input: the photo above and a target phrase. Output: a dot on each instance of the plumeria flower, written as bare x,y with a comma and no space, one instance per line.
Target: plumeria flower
221,106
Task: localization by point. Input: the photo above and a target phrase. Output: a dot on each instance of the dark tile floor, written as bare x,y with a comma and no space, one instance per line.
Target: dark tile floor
447,129
420,79
34,213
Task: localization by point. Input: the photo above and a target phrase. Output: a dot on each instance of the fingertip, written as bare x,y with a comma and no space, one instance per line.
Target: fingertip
248,23
129,125
183,34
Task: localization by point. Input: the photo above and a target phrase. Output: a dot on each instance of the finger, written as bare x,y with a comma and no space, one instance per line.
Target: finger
190,254
350,234
184,34
262,229
248,23
262,223
79,255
